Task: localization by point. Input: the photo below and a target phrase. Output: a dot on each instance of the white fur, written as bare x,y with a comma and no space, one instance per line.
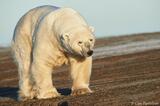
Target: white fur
46,38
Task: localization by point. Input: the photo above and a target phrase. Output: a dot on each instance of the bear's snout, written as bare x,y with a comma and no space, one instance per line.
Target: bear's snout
90,52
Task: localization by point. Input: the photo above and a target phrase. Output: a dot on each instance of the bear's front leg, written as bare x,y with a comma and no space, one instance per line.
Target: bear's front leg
42,64
80,73
42,77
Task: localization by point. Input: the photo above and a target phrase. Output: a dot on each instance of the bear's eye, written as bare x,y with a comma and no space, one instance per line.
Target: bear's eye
91,40
80,42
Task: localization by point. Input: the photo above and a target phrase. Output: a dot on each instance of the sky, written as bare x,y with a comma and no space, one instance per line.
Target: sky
108,17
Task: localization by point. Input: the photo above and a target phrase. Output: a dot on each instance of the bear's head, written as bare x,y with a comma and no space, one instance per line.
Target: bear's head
79,41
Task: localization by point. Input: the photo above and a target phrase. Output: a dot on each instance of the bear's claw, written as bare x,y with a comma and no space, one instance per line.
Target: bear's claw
49,95
24,98
80,91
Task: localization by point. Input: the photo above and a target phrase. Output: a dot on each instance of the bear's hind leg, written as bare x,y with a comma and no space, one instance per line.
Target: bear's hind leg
80,73
22,57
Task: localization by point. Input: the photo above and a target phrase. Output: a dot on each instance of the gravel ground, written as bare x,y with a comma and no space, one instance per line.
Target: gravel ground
126,72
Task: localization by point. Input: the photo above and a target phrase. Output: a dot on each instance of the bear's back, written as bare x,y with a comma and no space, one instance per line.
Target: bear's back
31,19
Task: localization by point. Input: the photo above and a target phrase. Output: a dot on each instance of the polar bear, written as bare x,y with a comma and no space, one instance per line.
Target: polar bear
45,38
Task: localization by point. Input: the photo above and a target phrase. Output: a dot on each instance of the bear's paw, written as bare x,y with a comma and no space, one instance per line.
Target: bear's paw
81,91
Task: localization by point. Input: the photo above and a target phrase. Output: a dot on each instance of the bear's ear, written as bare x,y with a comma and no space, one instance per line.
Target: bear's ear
91,28
65,37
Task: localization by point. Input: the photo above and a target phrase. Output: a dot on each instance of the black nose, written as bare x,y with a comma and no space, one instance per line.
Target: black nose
90,52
